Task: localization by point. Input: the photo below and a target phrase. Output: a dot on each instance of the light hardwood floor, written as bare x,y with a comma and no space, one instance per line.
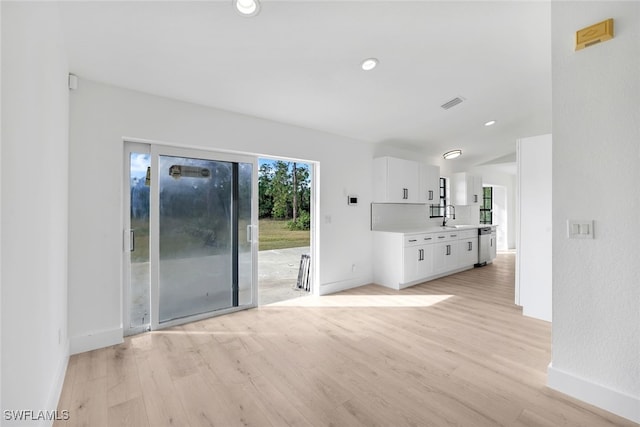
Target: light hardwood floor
450,352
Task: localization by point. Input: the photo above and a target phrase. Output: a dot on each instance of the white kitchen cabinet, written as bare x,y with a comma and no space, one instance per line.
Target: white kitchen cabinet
401,260
493,252
468,248
396,180
466,189
445,253
418,262
406,259
429,184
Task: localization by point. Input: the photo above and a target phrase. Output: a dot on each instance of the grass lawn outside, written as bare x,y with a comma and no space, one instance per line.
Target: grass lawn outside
274,234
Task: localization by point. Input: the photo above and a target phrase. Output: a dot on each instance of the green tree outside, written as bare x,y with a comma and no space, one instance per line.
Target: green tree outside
285,193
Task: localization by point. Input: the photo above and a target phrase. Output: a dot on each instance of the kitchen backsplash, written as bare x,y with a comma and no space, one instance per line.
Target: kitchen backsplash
386,215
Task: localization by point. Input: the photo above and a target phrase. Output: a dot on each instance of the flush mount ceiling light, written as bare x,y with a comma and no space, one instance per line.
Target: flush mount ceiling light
247,7
369,64
490,123
452,154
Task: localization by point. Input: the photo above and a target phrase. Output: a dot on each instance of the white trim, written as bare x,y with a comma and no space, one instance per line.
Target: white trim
614,401
58,382
343,285
95,340
518,225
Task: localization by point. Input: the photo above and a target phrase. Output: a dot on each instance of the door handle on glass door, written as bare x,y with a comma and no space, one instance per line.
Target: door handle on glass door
129,240
252,230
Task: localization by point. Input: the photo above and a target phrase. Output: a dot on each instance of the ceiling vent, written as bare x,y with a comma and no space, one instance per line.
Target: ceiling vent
450,104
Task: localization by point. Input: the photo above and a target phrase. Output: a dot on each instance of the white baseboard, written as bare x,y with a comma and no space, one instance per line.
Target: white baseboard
332,288
95,340
56,387
618,403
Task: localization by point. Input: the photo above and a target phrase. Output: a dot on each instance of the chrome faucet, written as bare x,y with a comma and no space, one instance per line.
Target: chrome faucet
452,214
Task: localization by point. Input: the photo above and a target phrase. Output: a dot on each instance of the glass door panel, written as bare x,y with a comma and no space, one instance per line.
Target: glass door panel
190,237
246,234
137,272
196,262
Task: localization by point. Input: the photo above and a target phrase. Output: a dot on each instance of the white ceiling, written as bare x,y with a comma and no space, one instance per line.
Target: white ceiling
298,62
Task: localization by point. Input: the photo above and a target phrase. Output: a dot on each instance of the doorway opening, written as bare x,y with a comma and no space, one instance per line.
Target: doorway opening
285,200
494,210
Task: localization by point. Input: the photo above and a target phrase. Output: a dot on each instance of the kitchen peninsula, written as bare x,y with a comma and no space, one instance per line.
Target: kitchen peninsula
406,256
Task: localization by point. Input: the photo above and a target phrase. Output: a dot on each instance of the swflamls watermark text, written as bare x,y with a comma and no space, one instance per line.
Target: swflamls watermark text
32,415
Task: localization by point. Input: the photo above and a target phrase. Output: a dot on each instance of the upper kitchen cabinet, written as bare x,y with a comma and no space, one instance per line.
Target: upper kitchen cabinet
430,184
396,181
466,189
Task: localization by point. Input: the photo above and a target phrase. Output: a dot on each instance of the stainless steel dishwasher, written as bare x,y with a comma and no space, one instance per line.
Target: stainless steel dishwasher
484,246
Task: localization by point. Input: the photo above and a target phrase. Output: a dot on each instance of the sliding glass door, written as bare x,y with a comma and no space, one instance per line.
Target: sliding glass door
202,243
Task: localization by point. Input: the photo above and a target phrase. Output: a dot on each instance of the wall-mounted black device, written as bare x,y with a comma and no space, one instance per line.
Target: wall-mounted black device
352,200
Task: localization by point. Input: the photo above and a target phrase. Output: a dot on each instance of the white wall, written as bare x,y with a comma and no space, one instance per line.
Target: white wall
534,256
596,175
101,116
34,207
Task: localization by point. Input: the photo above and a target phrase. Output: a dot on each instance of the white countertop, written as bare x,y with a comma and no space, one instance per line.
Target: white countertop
430,228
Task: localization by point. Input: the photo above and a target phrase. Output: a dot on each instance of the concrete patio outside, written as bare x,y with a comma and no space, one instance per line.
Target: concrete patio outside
278,274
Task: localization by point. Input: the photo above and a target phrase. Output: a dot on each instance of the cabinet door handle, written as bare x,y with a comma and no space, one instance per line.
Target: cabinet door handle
492,242
448,249
441,237
132,241
430,194
405,193
427,238
475,198
454,235
413,240
421,255
470,246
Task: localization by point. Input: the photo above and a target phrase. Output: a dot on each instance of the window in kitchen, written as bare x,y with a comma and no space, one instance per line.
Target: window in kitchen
486,209
438,210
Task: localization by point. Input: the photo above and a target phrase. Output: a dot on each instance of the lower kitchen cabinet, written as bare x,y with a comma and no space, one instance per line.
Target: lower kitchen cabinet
418,262
468,248
405,259
445,257
493,251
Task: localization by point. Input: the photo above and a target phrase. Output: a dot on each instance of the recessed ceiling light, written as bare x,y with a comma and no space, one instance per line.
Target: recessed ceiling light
452,154
490,123
369,64
247,7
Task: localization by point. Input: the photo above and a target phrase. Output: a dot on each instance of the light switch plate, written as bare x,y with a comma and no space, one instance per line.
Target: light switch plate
580,229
